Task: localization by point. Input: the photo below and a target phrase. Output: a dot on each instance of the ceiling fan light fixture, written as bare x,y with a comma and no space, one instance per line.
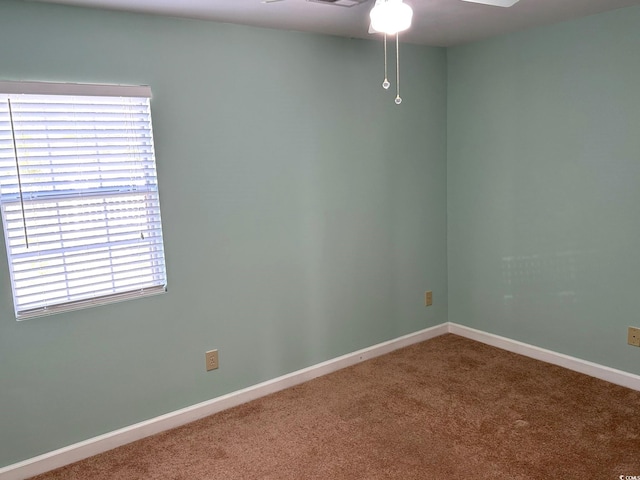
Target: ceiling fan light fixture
390,16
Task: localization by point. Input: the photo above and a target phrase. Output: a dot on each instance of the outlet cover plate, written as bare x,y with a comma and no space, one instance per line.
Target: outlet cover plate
634,336
428,298
212,359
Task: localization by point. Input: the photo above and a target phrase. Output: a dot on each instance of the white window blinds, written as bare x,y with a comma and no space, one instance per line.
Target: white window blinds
78,195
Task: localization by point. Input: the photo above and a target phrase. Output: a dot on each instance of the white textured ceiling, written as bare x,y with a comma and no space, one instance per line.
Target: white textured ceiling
435,22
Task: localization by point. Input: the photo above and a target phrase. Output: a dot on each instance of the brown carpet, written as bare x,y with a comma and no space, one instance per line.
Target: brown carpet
448,408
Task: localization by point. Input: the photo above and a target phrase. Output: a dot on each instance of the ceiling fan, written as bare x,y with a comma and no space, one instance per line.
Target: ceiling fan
352,3
390,17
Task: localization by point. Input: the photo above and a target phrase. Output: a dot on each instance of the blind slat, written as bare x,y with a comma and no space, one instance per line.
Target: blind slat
65,279
26,260
55,265
71,289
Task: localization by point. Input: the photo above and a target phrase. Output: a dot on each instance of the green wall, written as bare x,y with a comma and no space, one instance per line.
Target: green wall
543,192
304,216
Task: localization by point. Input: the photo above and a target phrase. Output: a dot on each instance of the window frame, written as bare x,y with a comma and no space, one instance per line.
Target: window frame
142,198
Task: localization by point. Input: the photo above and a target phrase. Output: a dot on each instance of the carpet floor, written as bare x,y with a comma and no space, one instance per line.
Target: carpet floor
447,408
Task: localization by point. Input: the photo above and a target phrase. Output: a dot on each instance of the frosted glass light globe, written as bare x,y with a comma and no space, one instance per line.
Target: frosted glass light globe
390,16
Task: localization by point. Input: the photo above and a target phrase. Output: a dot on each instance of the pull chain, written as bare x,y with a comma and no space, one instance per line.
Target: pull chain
386,83
398,99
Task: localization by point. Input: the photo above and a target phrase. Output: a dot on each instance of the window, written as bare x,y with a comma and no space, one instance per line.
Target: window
78,195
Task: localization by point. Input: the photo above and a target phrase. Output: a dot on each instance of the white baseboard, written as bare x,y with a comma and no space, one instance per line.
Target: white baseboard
93,446
612,375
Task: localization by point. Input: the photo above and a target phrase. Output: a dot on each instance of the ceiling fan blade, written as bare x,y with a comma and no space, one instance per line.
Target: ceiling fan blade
495,3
